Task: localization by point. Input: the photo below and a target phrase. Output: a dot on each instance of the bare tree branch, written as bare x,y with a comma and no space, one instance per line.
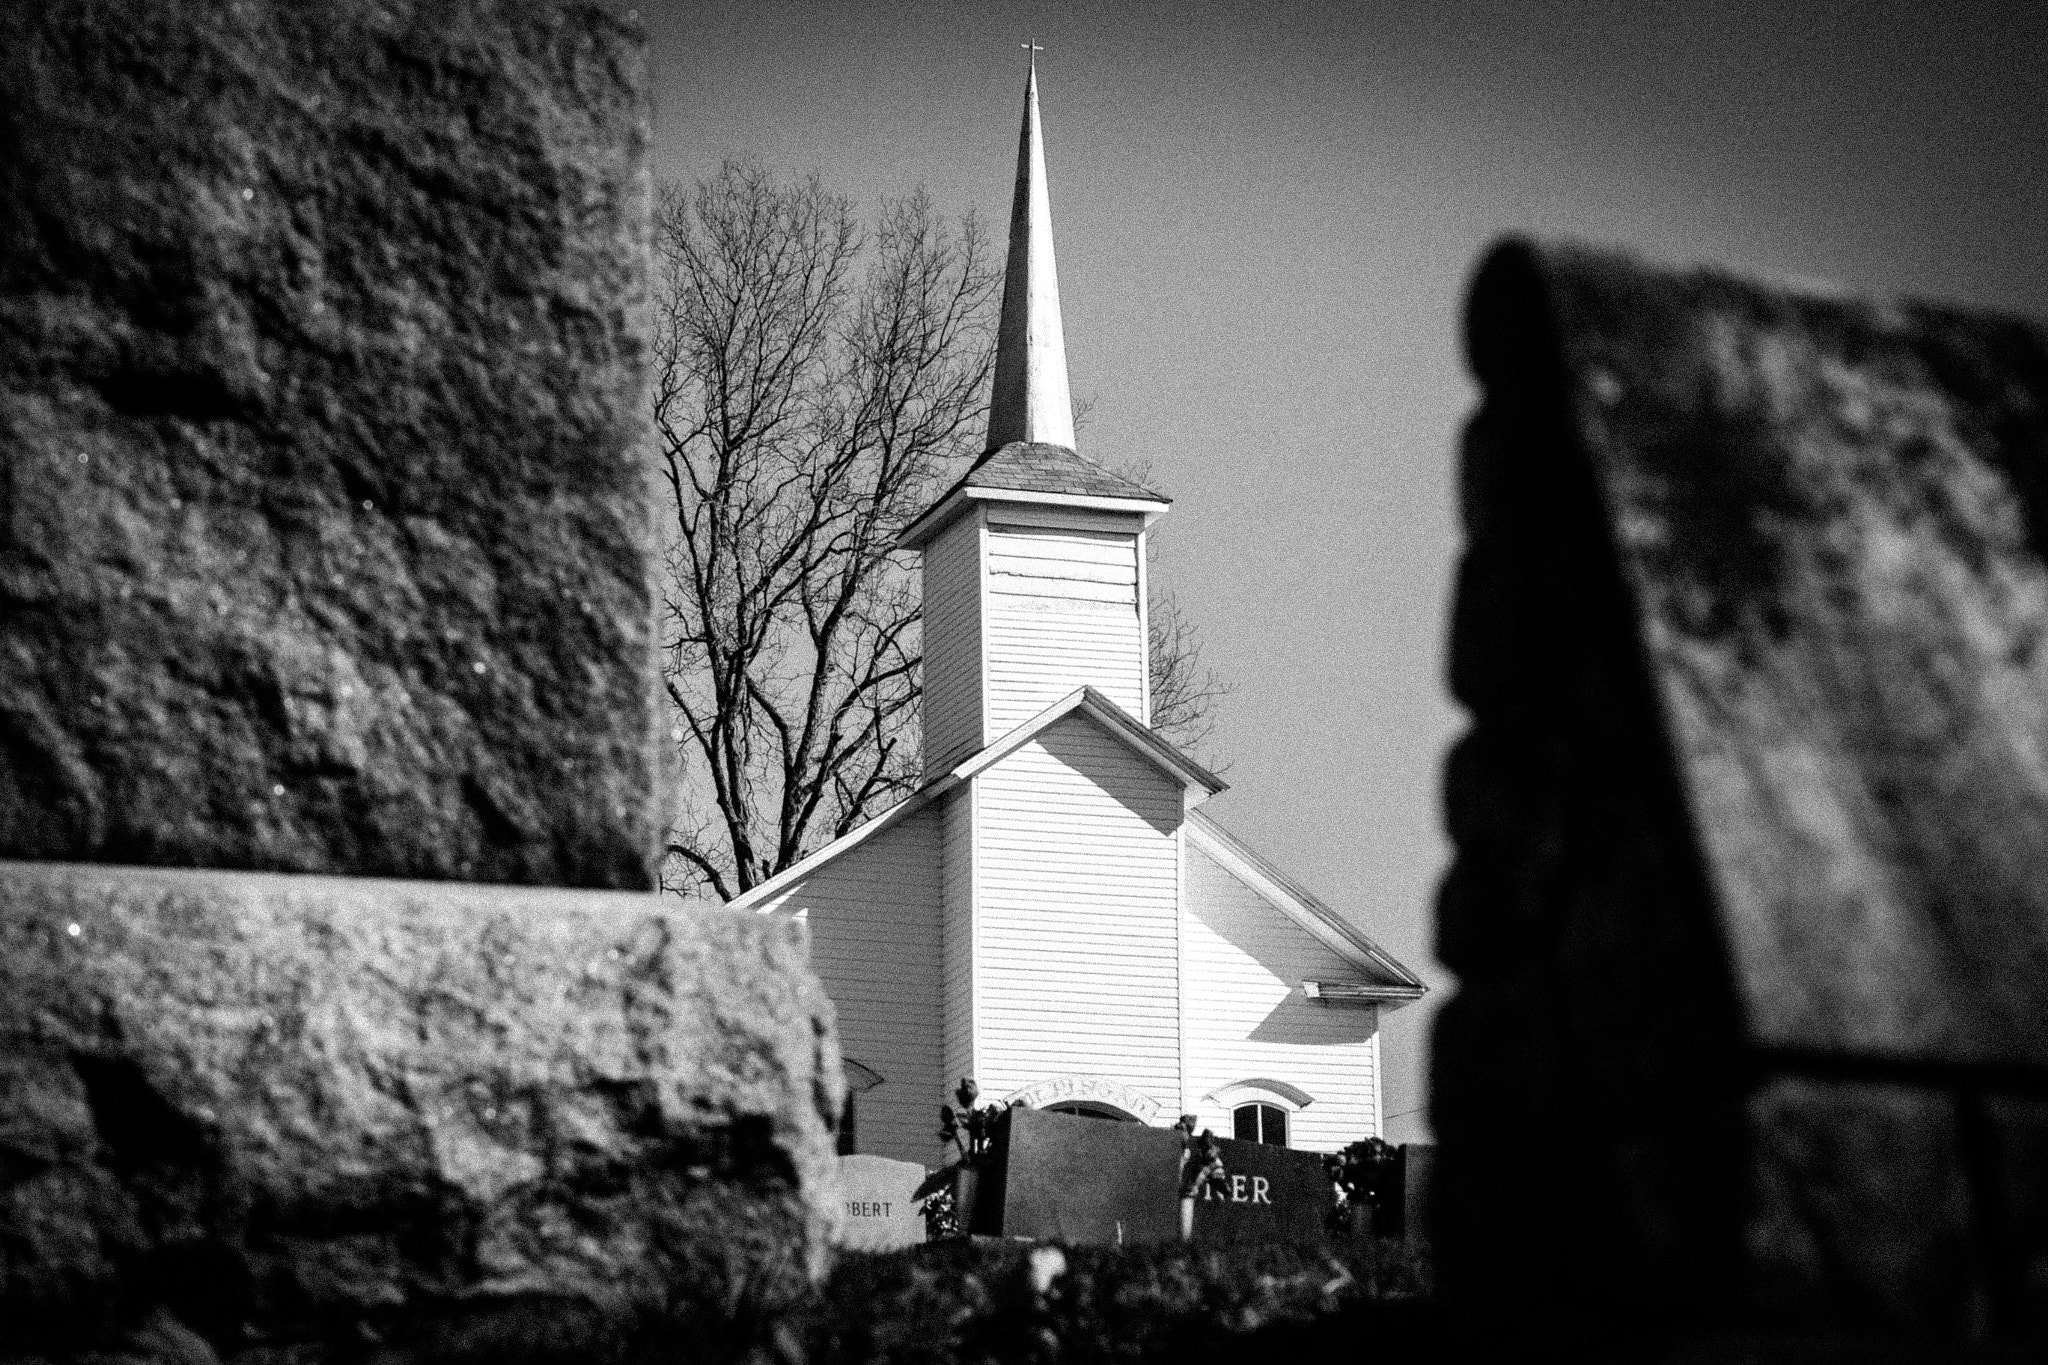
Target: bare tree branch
1184,692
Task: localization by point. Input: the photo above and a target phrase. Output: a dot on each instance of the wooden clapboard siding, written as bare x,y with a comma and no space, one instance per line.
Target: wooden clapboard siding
958,874
1062,611
874,913
1076,953
953,721
1248,1018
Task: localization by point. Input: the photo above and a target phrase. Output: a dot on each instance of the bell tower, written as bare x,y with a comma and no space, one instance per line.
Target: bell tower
1034,563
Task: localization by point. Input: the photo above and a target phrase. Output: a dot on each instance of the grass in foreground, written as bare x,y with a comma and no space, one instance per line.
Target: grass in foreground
1011,1302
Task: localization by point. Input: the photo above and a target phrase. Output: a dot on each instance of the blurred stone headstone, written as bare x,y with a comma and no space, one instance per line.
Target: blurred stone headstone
881,1203
328,549
1418,1160
1750,904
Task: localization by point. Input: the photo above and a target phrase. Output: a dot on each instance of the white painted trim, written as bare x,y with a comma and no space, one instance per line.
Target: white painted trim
981,620
1144,640
1379,1082
941,515
1260,1090
973,798
1359,992
1149,508
936,518
1180,958
1337,933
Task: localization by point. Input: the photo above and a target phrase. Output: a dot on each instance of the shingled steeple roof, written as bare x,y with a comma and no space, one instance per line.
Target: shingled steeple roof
1037,467
1032,471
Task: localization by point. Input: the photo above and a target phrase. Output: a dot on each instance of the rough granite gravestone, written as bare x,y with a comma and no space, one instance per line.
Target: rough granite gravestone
1750,904
326,548
323,335
286,1109
879,1198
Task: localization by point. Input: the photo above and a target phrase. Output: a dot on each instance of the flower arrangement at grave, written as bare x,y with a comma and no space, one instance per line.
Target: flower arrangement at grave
1201,1171
941,1216
949,1192
969,1129
1363,1175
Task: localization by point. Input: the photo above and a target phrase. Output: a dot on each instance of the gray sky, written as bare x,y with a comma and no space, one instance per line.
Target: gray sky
1265,217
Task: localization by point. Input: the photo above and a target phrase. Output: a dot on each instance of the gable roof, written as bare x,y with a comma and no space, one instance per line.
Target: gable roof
1033,471
1085,700
1393,983
1112,718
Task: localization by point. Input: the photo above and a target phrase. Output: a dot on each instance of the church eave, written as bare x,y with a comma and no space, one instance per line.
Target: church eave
853,838
1361,993
1307,910
942,514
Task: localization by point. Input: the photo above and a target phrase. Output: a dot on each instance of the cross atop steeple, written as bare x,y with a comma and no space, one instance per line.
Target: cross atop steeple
1030,401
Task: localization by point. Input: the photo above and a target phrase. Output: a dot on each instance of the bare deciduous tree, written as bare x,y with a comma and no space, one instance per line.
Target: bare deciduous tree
805,416
816,388
1184,692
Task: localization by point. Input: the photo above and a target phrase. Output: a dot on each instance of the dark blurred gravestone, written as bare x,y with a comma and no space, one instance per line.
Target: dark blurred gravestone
1270,1194
1750,905
1062,1177
326,546
880,1203
1418,1161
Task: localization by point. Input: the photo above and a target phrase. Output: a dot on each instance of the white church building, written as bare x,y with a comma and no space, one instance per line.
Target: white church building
1053,913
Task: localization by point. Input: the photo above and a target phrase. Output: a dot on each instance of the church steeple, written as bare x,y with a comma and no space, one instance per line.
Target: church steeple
1031,401
1034,562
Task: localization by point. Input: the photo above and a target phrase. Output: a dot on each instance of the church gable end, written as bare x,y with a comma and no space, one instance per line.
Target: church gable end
1246,960
1076,951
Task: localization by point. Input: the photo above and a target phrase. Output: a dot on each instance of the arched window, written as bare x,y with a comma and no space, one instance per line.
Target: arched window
1259,1123
1261,1108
